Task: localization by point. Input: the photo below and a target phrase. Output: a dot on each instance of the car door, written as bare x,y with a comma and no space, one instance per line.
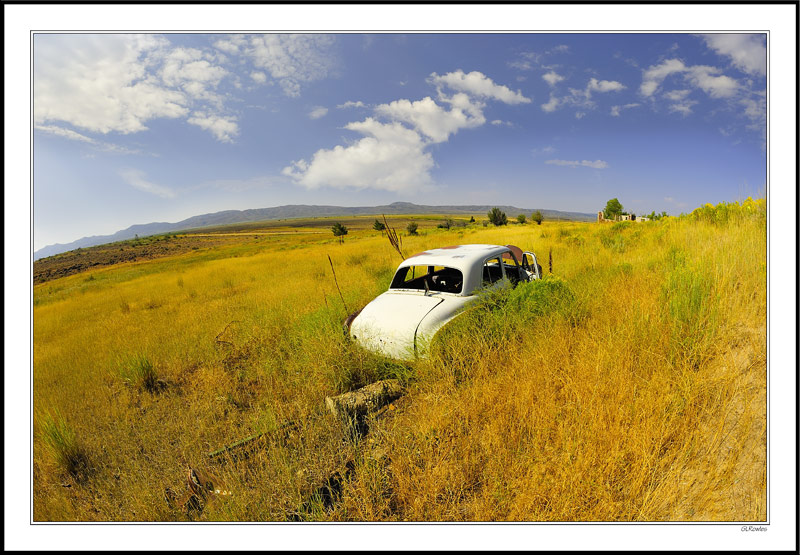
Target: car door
531,266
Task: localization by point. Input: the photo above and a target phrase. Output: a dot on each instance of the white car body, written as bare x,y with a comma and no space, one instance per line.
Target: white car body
401,322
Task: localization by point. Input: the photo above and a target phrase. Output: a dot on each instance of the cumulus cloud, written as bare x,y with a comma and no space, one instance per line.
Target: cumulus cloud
291,60
258,76
604,86
654,75
351,104
136,178
711,82
432,120
615,110
552,78
390,157
684,107
223,128
393,155
597,164
552,104
115,83
677,95
748,52
477,84
318,112
582,97
706,78
101,83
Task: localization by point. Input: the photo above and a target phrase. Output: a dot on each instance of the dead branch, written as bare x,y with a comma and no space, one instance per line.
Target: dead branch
336,281
395,240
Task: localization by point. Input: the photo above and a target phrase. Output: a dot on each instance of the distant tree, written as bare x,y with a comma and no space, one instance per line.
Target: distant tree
447,224
339,231
472,219
412,228
521,219
379,226
497,216
537,217
664,214
612,210
633,216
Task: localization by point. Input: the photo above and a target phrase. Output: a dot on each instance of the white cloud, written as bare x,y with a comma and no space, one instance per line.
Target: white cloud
552,78
521,65
615,110
677,94
318,112
105,83
714,85
748,52
552,104
477,84
351,104
683,107
706,78
654,75
604,86
291,60
64,132
136,178
74,136
431,119
258,76
390,157
501,122
582,97
101,83
597,164
223,128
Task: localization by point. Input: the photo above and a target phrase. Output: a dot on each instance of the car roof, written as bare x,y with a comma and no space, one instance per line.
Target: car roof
456,256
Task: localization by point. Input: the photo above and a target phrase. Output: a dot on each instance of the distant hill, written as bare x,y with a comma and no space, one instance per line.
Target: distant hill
294,211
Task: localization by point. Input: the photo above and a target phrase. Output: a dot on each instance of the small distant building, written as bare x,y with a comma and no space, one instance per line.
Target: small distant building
618,218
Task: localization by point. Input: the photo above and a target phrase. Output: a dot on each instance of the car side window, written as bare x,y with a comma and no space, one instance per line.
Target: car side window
511,266
492,271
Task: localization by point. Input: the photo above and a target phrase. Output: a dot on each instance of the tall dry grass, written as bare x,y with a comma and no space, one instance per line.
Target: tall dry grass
628,385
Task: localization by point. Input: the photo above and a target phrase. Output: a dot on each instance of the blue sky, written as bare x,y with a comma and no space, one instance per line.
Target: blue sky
139,128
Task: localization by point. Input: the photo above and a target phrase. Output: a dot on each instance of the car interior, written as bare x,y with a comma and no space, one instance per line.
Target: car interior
444,280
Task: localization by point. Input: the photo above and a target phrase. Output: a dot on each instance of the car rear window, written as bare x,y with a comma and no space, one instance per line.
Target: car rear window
432,278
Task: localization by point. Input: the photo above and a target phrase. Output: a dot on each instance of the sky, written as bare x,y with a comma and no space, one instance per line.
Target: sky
136,128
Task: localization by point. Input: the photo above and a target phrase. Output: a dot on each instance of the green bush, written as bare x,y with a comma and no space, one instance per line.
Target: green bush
60,441
138,371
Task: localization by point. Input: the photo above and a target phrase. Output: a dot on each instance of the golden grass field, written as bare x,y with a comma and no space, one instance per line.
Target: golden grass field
628,385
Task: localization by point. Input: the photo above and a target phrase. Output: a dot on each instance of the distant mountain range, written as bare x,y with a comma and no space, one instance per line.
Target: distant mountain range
293,211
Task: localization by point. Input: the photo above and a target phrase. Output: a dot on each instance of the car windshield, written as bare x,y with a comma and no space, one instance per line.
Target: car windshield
431,278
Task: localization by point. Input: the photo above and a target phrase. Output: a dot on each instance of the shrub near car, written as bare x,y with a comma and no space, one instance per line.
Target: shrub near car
431,288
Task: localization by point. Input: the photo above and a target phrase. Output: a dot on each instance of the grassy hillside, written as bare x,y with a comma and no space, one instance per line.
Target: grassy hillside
629,384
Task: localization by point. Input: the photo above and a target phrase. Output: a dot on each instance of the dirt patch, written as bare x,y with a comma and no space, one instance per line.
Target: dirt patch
80,260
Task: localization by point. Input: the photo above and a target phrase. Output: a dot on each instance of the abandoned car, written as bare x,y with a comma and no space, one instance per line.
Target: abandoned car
429,289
